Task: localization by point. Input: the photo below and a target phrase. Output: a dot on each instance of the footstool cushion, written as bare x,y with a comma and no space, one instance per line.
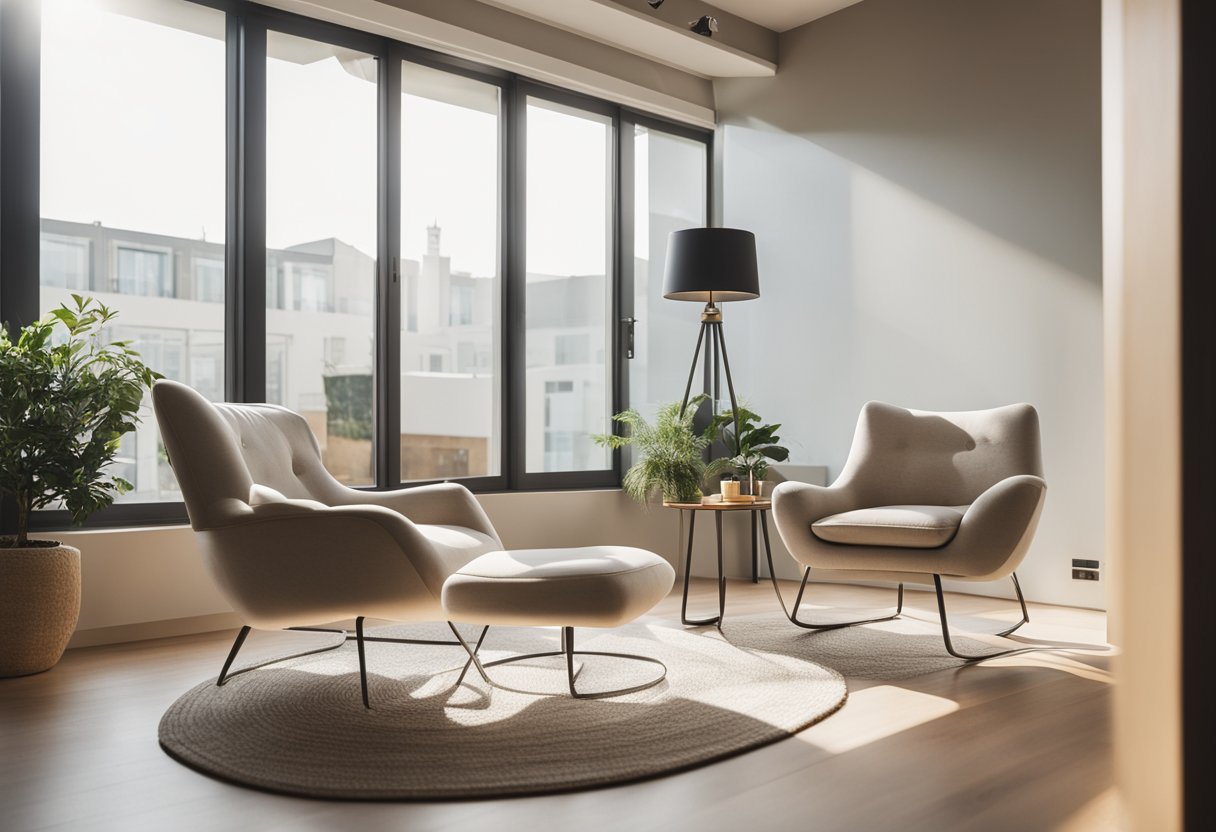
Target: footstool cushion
591,586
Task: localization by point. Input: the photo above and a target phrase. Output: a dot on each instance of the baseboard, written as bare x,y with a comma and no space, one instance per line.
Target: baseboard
145,630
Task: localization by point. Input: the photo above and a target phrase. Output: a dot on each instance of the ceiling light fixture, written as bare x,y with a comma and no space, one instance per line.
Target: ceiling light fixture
706,26
654,4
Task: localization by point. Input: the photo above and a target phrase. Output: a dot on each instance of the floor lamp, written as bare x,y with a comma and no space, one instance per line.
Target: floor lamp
711,266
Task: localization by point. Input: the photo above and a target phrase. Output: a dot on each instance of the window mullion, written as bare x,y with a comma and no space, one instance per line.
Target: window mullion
20,138
514,320
246,250
388,313
625,315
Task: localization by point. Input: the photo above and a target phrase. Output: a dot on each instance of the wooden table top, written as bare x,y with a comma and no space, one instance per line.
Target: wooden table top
759,505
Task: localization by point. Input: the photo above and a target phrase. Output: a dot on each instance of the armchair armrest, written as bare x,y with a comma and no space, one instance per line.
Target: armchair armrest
286,564
997,528
796,505
442,504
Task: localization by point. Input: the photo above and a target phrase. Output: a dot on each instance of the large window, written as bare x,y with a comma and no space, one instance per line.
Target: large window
321,223
132,187
451,298
569,294
670,194
427,259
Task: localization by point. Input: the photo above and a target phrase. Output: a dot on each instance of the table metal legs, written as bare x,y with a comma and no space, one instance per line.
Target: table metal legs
698,622
692,521
755,552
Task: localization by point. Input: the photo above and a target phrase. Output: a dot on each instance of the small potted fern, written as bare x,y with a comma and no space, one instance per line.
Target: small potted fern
65,404
671,454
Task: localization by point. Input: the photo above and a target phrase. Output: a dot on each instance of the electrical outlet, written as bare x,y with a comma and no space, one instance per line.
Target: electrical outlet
1085,574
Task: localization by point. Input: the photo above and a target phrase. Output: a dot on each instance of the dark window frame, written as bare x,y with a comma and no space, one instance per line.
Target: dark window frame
245,246
516,375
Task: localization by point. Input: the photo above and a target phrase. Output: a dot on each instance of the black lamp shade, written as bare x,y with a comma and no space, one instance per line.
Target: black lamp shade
711,264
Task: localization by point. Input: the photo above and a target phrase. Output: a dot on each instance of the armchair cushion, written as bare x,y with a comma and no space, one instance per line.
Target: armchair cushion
908,526
264,495
591,586
453,547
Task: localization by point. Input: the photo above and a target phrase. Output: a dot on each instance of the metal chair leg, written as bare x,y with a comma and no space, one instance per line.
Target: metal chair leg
567,650
225,676
792,613
362,660
236,648
1017,587
941,610
473,659
476,648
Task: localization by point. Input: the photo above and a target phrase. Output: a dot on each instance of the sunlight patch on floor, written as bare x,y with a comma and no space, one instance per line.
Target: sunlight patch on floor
1105,812
1055,661
874,714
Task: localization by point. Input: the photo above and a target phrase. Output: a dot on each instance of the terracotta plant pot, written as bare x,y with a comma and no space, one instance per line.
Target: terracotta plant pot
39,606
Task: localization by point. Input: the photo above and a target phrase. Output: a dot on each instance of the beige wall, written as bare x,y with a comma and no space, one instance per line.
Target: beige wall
1141,222
924,180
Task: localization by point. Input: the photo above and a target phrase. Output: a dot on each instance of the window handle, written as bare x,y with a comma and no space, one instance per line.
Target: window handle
629,322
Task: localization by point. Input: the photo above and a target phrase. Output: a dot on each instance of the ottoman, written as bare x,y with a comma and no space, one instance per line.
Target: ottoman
591,586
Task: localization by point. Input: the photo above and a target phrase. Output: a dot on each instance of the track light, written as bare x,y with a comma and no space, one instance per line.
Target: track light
654,4
706,26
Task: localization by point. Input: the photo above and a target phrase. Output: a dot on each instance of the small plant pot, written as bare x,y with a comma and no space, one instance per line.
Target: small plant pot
752,487
39,606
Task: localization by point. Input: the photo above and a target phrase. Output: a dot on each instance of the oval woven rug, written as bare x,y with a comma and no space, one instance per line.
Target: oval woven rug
299,727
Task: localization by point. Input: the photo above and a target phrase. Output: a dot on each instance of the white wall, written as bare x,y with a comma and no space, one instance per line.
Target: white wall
923,177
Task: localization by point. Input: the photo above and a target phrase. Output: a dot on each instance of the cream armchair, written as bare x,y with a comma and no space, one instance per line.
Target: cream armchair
290,546
922,496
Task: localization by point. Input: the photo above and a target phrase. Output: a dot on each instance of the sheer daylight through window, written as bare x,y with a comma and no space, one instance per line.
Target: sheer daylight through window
451,289
569,260
132,191
321,245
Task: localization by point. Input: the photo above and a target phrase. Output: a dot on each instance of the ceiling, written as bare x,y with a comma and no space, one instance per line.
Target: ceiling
631,26
780,15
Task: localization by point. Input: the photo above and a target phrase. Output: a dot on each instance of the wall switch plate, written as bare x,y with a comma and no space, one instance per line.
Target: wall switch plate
1085,574
1079,563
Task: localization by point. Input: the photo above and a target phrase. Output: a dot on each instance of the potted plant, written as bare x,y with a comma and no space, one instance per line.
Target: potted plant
755,445
671,455
65,404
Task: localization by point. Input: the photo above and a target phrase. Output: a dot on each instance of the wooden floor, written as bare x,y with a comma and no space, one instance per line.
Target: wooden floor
1021,743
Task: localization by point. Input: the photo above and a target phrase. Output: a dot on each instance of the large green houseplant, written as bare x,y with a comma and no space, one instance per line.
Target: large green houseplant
671,454
66,399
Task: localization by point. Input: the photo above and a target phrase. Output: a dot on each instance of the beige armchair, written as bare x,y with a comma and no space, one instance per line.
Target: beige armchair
922,496
290,546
